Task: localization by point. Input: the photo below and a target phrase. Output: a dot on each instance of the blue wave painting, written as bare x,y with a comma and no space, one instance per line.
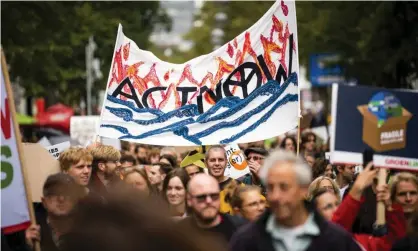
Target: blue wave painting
180,121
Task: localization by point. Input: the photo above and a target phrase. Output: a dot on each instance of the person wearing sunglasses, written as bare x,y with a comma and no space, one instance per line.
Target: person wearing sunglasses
255,159
203,199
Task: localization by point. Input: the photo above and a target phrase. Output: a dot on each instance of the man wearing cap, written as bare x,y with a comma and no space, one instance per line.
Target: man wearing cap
60,194
255,158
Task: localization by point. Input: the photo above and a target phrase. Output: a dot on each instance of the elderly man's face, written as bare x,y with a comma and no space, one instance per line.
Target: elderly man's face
284,194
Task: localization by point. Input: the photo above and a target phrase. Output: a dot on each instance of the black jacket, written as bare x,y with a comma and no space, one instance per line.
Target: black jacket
254,237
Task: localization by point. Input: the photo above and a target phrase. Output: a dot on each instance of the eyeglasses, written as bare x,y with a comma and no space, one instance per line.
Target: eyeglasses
255,158
203,197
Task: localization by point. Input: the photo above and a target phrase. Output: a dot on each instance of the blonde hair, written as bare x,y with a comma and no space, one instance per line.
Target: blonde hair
314,187
397,178
105,153
72,156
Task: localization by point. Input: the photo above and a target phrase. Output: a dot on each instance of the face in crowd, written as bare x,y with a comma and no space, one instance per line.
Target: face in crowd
155,175
176,192
60,194
141,153
406,194
138,180
108,167
192,170
289,146
328,171
203,198
327,203
256,157
216,162
310,159
284,193
347,172
309,145
80,172
252,204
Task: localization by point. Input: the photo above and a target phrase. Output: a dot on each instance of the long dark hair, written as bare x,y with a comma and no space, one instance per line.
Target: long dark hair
283,144
178,172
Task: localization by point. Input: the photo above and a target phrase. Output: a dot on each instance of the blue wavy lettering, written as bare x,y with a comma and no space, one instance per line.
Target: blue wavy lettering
133,106
285,100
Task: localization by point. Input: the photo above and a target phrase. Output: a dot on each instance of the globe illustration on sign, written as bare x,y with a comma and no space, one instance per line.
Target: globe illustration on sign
384,105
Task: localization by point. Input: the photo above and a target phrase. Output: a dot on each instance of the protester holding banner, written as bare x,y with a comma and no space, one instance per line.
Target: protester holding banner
174,192
347,212
60,195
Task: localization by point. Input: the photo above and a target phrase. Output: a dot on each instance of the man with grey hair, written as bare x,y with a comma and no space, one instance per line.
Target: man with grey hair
291,223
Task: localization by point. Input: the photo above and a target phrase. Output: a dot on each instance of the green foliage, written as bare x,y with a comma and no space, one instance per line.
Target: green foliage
44,42
377,41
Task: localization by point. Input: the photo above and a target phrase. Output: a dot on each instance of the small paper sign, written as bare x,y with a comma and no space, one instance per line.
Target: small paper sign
57,149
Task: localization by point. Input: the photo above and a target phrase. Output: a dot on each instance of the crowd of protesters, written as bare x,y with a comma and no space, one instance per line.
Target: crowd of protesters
153,198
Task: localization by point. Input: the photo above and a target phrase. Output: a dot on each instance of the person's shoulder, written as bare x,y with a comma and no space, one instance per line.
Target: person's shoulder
237,221
334,233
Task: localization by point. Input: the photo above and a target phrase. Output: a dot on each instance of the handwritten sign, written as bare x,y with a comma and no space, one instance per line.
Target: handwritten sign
236,94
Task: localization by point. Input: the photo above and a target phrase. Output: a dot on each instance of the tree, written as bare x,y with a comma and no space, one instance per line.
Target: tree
377,41
44,42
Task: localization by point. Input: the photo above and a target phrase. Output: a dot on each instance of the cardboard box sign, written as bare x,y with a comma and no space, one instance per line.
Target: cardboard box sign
390,136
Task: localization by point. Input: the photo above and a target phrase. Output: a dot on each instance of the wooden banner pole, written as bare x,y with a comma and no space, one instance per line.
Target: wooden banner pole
18,142
380,208
298,138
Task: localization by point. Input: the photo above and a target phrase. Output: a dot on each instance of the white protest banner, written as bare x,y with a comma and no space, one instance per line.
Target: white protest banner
236,163
57,149
85,129
237,93
15,214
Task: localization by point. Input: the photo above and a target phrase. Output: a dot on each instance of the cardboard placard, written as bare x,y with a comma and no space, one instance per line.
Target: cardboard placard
383,120
39,164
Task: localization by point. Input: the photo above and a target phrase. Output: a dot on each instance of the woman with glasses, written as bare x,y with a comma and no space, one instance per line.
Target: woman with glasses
325,183
174,192
248,202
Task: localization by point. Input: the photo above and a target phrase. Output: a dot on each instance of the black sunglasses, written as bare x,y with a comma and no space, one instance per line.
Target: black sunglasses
202,197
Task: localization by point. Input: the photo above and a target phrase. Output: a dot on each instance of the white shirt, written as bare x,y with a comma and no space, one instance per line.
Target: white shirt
292,239
342,191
